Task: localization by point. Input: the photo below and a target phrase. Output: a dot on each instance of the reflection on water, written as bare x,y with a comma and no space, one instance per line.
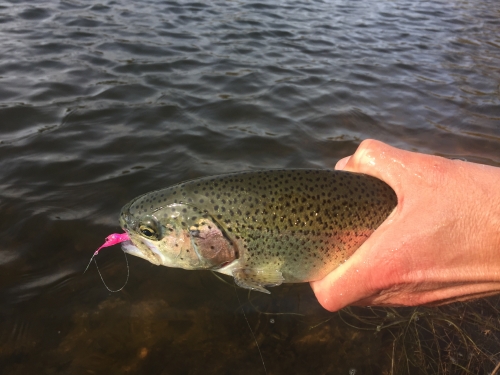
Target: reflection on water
102,101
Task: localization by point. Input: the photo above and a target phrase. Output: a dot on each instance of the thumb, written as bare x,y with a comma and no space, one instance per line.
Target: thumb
341,163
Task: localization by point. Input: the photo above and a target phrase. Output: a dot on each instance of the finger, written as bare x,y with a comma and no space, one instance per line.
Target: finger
338,289
348,284
341,163
354,283
382,161
369,156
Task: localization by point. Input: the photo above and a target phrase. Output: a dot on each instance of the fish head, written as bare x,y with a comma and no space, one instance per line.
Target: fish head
175,235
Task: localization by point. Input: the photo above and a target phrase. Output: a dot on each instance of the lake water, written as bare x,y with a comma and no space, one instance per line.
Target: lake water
101,101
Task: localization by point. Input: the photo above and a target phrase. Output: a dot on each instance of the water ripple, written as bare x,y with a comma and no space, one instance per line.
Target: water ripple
103,100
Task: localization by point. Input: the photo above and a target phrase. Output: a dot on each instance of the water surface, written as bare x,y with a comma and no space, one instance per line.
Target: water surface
103,100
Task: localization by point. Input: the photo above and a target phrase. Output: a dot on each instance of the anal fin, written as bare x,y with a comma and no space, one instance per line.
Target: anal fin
257,279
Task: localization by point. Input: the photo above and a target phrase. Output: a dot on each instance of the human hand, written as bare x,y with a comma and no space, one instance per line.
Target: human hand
441,244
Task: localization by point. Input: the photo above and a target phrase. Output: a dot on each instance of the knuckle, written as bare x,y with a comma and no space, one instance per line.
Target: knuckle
366,151
368,144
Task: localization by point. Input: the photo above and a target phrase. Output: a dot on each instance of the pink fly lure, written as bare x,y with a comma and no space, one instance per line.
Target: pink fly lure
111,240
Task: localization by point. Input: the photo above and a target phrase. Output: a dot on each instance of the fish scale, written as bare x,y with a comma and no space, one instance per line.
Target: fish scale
262,227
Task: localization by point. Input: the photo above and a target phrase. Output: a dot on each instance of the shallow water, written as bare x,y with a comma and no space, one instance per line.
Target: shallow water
103,100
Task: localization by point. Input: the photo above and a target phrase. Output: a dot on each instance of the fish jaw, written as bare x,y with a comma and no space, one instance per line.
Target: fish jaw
154,256
161,253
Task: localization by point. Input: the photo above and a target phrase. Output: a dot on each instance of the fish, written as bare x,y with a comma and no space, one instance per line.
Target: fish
263,228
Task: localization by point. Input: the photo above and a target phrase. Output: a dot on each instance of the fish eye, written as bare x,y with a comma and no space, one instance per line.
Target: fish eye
148,232
149,229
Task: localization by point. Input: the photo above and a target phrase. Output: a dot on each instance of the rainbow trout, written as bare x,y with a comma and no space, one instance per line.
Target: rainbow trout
263,228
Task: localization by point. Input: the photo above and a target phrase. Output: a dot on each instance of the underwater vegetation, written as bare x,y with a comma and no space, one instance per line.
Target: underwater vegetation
461,338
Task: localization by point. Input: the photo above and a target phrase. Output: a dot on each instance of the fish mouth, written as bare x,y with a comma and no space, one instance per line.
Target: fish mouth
153,256
130,248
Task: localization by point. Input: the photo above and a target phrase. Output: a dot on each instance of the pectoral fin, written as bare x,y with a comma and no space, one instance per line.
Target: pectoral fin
257,279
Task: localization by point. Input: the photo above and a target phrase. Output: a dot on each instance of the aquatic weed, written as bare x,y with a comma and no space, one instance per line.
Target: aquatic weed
461,338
